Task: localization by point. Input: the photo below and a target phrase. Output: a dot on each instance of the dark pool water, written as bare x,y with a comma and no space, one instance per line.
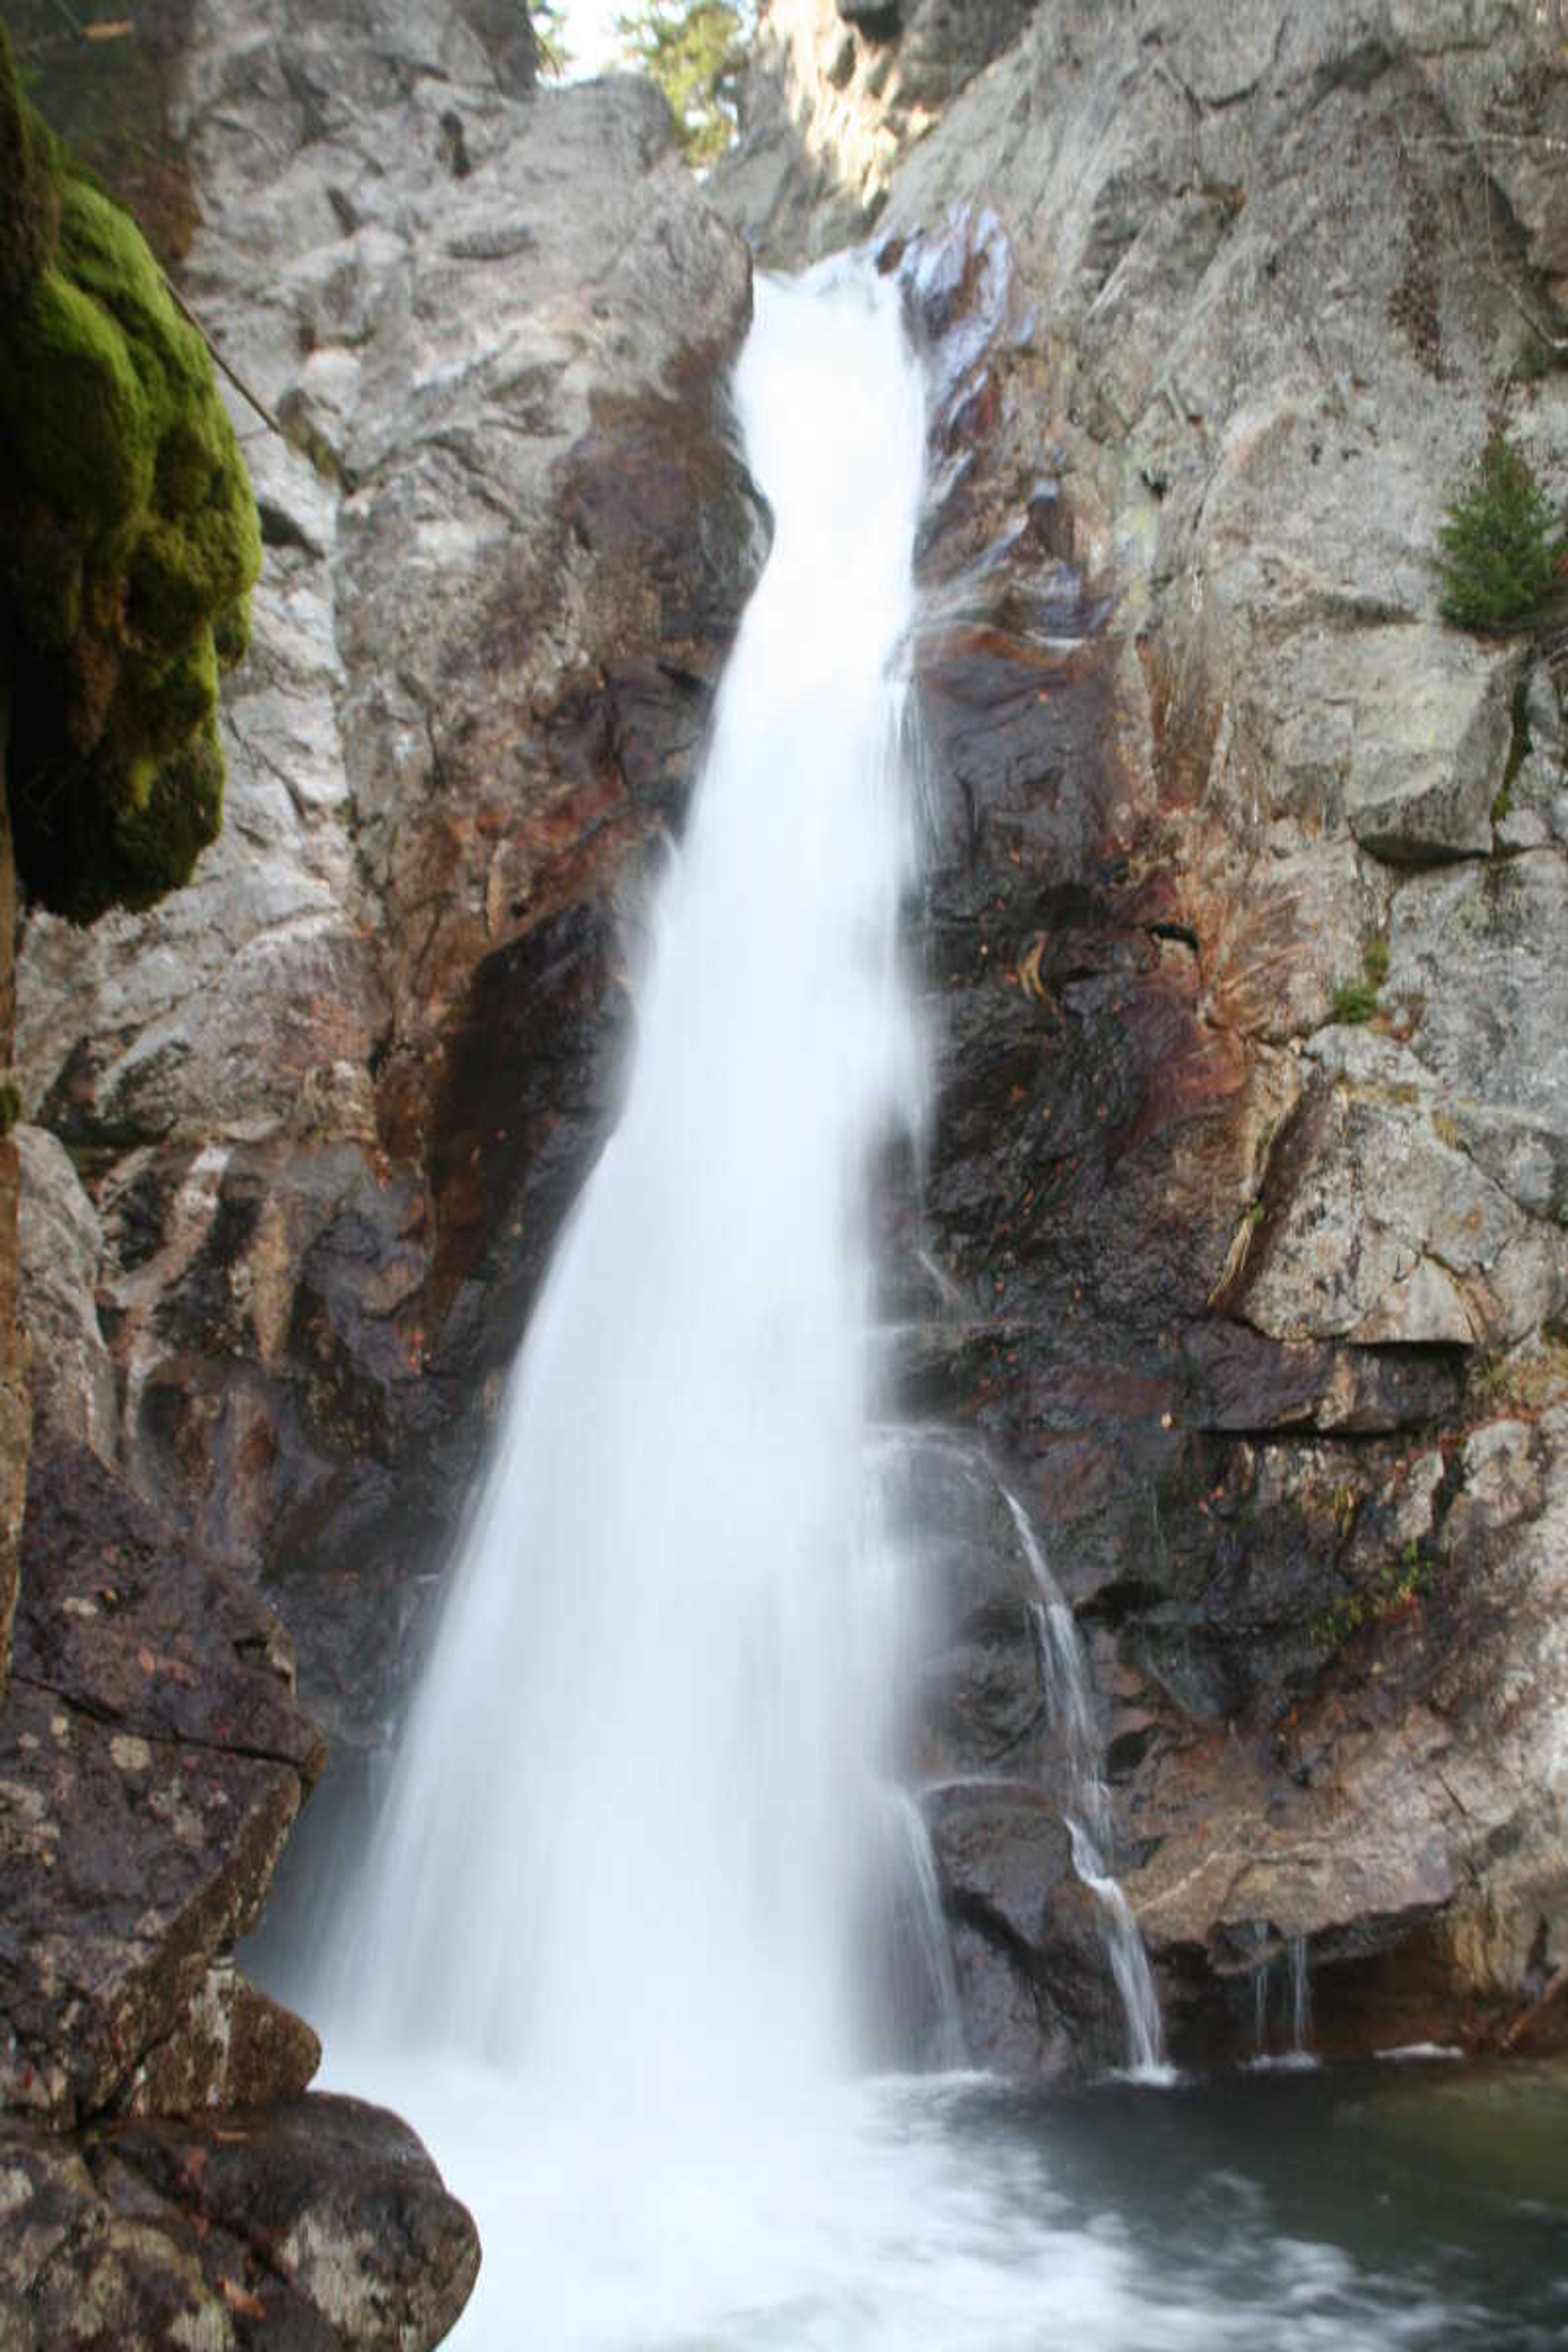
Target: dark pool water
1421,2205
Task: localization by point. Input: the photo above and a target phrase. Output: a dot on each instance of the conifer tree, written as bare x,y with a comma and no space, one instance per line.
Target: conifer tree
1503,546
694,49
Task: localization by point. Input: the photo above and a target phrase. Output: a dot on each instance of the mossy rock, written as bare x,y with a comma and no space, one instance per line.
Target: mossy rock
128,541
30,214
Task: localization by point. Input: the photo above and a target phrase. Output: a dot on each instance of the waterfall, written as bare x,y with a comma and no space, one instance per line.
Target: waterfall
624,1858
1298,1999
643,1868
1089,1824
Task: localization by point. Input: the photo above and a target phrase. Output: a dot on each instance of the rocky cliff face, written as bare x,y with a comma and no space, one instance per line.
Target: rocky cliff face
297,1142
1261,1304
1258,1310
330,1102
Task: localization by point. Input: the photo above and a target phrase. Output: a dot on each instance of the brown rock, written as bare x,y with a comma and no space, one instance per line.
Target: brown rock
306,2226
152,1759
234,2047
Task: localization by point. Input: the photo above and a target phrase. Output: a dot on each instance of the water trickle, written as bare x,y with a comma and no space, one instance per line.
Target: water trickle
1260,1990
1300,1996
1088,1815
922,2002
1296,1996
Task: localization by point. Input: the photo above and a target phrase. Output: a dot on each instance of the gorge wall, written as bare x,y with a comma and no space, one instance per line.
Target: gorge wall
1261,1309
295,1142
1260,1298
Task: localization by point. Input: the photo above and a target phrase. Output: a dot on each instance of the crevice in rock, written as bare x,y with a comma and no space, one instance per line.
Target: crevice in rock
170,1743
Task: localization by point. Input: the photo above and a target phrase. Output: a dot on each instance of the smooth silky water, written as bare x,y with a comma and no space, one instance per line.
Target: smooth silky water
618,1942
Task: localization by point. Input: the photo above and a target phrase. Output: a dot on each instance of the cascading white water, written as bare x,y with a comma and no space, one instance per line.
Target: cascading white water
1089,1822
602,1951
625,1854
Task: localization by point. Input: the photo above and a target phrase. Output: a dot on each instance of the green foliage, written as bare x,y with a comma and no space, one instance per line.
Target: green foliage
549,19
1395,1585
1503,546
694,49
1356,999
129,542
1353,1001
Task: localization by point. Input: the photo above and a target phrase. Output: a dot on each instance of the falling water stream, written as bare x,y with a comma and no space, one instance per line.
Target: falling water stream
608,1946
1089,1818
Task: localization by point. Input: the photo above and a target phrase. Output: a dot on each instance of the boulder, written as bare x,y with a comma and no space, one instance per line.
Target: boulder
154,1758
313,2224
1034,1980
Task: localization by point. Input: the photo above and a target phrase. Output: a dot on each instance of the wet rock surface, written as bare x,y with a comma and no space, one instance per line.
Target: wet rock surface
1033,1977
314,2224
152,1759
1246,1178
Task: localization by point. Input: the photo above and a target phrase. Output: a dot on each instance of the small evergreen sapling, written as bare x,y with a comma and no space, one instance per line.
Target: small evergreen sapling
1503,546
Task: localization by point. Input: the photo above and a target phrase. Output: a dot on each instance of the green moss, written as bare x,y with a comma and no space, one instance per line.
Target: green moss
158,840
72,408
1374,961
174,700
128,544
29,218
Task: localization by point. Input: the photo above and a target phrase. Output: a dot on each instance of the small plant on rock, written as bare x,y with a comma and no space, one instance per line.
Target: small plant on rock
1503,546
1353,1001
1394,1586
1356,999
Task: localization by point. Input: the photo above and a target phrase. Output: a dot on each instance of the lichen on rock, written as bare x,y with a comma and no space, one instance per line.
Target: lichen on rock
129,542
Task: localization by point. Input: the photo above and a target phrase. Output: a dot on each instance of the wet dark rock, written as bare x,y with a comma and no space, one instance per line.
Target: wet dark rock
16,1403
312,2226
234,2047
1216,1272
154,1758
1246,1382
1034,1979
108,1588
